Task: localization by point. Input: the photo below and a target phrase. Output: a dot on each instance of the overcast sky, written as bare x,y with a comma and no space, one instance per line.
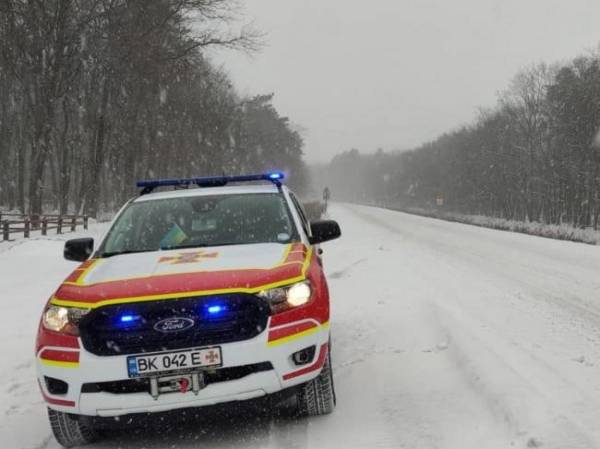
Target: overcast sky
397,73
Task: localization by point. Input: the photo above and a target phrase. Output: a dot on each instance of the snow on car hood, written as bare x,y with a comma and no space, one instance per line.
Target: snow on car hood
183,273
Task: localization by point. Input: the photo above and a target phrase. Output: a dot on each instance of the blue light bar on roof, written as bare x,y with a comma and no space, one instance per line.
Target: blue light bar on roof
212,181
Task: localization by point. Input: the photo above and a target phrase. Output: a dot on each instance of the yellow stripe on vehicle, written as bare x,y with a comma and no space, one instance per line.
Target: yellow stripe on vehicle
59,364
301,334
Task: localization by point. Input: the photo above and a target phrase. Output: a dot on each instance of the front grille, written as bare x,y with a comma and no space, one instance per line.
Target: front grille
129,328
142,385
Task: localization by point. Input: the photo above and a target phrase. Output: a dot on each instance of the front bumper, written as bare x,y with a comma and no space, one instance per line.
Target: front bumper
77,367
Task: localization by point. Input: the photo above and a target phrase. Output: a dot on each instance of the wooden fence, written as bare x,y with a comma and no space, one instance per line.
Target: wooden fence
11,223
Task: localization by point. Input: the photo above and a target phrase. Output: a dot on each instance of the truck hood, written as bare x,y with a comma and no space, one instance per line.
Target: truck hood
183,273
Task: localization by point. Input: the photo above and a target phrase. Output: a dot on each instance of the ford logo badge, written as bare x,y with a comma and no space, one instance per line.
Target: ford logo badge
175,324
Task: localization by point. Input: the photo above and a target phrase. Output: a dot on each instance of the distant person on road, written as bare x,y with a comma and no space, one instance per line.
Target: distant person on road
326,196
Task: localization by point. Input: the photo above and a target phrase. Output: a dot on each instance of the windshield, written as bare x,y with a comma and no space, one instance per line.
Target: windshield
197,221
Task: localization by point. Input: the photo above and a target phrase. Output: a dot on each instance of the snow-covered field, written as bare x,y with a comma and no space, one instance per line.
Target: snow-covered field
445,336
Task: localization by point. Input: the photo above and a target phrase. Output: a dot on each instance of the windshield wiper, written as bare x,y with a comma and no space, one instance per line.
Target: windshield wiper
129,251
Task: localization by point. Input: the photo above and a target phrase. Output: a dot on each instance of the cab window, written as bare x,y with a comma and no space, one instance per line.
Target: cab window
198,221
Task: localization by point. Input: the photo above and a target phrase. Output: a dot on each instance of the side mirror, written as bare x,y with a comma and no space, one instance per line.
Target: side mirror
79,250
324,230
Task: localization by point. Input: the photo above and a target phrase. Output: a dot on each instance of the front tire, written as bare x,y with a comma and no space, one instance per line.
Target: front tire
70,430
317,397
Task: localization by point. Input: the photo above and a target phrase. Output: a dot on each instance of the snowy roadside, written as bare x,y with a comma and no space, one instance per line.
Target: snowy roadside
552,231
30,270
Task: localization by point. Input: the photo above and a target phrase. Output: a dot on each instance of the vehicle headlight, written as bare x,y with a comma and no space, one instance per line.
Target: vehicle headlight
287,297
63,319
298,294
283,298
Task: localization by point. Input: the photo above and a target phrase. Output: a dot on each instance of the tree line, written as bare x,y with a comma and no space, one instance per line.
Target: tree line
95,94
534,156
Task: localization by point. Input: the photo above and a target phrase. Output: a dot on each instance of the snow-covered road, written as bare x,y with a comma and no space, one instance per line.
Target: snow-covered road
444,336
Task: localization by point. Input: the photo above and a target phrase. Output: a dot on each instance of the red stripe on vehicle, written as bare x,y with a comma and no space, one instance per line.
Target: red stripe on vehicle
60,356
308,369
286,331
298,257
54,401
49,338
298,247
74,275
80,270
177,283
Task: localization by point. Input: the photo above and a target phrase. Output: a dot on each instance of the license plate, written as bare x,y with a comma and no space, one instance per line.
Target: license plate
176,361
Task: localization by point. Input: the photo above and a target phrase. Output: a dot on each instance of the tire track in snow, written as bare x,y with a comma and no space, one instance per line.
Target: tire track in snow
523,406
381,312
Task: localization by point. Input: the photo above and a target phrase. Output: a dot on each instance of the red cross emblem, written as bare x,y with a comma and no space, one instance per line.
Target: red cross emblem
212,357
194,257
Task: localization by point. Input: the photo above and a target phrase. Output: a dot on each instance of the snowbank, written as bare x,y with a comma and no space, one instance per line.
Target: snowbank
559,232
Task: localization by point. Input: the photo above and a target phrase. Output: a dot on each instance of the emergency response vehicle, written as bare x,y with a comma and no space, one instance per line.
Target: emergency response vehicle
197,296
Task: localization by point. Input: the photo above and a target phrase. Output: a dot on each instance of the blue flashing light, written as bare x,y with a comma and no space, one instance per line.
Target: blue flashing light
215,309
215,181
128,318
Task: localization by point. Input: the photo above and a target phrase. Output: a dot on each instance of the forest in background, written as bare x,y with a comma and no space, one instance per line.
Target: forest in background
95,94
535,156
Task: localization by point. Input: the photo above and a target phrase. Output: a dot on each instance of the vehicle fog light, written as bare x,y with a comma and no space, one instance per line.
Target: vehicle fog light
56,386
304,356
